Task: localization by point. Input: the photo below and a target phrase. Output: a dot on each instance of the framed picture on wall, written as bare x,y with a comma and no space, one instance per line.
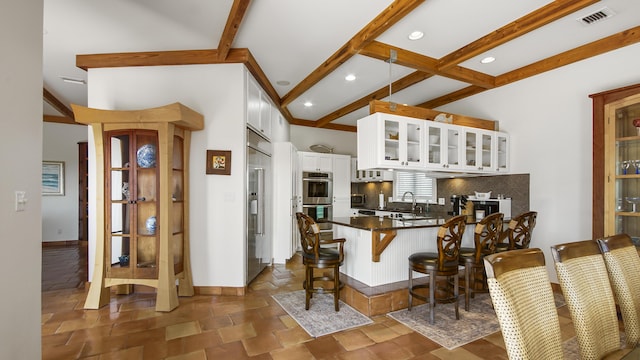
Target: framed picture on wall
53,178
218,162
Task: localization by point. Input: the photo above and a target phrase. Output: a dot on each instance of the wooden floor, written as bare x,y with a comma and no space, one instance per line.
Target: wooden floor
219,327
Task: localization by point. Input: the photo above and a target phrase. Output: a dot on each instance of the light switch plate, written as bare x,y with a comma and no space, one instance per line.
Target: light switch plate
440,201
21,200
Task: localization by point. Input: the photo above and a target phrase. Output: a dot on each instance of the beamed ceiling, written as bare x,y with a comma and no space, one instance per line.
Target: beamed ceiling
300,51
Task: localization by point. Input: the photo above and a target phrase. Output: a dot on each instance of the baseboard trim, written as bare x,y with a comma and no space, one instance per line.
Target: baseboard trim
63,243
220,290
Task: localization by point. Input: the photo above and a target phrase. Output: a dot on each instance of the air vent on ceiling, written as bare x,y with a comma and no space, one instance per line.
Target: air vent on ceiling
597,16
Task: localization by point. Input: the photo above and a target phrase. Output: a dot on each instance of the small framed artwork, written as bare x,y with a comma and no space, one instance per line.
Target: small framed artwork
53,178
218,162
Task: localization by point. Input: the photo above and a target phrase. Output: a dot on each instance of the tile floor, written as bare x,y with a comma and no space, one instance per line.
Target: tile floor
219,327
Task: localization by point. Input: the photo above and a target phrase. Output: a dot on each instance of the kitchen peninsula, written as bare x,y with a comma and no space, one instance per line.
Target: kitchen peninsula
377,248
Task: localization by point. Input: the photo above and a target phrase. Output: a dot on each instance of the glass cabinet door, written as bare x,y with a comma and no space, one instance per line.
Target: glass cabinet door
177,200
501,153
391,129
435,143
132,241
625,190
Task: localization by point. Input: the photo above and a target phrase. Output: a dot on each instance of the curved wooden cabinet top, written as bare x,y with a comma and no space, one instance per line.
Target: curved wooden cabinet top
175,113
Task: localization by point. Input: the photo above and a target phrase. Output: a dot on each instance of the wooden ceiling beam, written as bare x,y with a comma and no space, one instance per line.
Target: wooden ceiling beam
57,104
59,120
598,47
330,126
381,93
385,20
381,51
238,10
532,21
160,58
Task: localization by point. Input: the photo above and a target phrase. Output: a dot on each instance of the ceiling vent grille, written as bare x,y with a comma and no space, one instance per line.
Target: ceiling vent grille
597,16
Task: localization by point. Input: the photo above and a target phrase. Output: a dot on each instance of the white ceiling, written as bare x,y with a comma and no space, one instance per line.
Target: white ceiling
291,38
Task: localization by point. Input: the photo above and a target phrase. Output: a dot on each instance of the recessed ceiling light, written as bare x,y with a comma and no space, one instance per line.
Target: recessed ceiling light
283,82
73,80
416,35
488,59
308,104
350,77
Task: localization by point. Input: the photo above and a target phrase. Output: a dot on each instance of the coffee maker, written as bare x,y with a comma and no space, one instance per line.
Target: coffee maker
456,203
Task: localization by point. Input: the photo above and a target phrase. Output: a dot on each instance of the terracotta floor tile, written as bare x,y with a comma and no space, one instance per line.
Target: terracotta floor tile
324,347
263,343
353,339
196,355
182,330
130,353
295,352
232,327
237,332
292,336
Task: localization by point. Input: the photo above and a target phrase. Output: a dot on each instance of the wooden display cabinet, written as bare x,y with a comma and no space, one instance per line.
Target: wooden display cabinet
142,172
616,163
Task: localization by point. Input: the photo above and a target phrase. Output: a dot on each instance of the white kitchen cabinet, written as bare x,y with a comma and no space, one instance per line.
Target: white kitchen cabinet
443,147
501,153
425,145
392,141
479,150
258,108
317,162
341,185
368,175
285,205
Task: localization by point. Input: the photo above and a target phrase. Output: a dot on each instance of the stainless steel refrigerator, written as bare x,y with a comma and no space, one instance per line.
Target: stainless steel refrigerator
259,244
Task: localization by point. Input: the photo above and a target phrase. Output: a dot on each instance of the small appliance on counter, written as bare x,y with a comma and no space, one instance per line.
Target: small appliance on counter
358,200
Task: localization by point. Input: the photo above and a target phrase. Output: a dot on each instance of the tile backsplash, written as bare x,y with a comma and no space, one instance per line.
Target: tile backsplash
514,186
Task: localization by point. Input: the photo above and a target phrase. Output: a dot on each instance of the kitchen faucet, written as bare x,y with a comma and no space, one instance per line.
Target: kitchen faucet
413,201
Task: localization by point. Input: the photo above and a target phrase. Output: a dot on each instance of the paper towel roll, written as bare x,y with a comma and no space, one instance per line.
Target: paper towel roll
381,201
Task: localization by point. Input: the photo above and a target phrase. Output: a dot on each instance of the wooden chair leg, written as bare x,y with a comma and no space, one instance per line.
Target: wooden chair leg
432,297
456,293
410,287
308,286
336,288
467,285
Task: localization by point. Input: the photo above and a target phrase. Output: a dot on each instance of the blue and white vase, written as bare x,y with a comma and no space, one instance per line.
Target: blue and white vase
146,156
150,225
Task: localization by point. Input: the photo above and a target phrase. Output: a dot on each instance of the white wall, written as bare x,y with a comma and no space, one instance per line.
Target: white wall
342,142
549,120
217,202
60,213
20,160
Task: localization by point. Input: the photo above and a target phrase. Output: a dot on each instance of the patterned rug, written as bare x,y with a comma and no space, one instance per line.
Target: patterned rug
321,318
478,322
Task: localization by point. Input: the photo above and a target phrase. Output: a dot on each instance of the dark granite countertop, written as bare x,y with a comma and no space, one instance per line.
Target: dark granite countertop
373,223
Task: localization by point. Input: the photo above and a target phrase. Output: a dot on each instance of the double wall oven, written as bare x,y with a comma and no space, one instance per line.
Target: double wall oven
317,197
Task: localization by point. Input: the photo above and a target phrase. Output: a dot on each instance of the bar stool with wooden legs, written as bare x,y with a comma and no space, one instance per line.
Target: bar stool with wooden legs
315,256
486,236
444,263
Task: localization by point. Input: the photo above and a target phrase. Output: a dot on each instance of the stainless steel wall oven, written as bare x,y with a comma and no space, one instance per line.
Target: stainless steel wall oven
317,188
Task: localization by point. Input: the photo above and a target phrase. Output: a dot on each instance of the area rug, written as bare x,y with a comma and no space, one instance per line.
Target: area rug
478,322
321,318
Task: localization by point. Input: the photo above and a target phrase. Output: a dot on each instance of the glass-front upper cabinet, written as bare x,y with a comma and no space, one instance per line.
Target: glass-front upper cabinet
479,154
443,146
132,194
622,148
501,161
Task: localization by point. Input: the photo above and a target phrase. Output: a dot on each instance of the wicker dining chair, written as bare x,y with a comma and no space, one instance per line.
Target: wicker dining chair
623,263
315,256
524,304
585,284
444,263
486,236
